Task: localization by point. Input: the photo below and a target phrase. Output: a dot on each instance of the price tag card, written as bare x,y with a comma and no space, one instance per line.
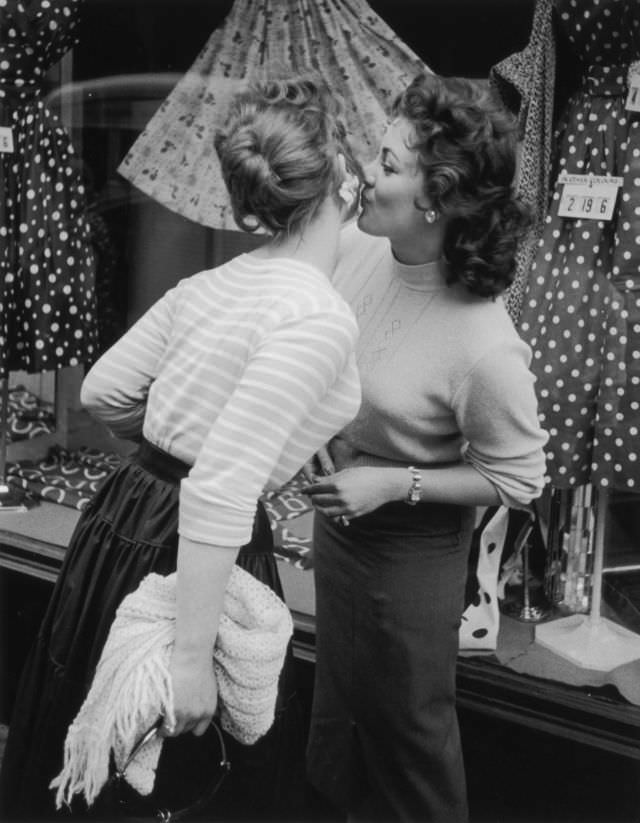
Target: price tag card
6,140
633,97
588,195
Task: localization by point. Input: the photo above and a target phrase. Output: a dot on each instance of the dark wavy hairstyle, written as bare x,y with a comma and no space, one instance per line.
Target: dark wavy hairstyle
466,145
278,152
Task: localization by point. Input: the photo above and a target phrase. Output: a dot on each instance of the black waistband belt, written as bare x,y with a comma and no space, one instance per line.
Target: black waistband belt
163,465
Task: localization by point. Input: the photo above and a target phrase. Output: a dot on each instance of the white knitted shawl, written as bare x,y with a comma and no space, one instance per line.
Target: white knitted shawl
132,686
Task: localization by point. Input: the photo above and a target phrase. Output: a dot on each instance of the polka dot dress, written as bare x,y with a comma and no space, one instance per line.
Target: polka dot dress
581,313
47,299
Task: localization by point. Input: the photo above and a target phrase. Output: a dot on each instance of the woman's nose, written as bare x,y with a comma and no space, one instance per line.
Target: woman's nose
368,177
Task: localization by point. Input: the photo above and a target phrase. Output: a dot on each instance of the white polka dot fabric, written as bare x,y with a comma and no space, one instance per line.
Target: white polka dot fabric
47,298
581,312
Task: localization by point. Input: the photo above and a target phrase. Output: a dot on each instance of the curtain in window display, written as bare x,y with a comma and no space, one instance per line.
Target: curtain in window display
47,299
174,161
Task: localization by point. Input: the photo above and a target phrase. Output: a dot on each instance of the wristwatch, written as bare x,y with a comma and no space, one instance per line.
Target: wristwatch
415,489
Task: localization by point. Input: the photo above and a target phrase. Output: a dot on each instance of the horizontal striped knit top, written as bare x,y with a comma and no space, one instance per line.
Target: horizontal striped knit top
243,372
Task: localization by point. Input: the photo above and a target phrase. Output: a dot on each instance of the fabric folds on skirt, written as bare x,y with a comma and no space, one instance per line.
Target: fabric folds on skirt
128,531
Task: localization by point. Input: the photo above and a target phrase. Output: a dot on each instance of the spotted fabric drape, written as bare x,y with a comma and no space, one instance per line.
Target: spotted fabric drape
581,308
47,299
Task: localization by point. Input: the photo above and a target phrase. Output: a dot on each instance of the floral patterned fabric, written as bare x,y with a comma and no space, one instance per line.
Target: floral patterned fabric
174,161
525,83
581,311
47,301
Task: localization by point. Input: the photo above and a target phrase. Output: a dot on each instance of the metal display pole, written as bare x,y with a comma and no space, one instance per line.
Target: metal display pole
591,641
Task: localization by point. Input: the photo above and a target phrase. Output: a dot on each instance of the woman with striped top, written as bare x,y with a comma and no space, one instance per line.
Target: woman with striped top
230,382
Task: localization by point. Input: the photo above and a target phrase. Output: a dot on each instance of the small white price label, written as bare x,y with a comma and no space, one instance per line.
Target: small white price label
6,140
633,96
589,196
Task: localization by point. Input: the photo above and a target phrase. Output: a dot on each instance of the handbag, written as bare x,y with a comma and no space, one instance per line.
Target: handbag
118,801
481,617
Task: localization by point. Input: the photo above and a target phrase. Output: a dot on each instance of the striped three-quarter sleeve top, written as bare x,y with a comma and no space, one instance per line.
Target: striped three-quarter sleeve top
242,372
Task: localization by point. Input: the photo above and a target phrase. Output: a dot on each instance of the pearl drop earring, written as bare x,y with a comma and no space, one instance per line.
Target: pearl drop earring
431,215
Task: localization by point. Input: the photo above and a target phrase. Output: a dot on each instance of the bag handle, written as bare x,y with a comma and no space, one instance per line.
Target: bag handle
166,815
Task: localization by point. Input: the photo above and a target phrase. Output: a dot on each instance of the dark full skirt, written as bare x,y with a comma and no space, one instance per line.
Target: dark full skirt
128,531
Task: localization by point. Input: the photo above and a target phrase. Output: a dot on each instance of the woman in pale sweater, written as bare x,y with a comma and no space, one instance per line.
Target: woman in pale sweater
448,422
230,382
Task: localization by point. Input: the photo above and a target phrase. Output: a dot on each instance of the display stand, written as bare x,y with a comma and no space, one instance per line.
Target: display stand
11,498
527,612
591,641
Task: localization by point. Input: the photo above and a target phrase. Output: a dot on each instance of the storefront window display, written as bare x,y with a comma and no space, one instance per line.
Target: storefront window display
110,196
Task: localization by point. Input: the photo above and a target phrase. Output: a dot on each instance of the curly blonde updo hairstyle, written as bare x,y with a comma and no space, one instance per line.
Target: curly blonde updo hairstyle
279,150
466,146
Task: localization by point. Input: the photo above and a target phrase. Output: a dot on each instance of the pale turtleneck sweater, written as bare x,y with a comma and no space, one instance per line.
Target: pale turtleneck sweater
445,376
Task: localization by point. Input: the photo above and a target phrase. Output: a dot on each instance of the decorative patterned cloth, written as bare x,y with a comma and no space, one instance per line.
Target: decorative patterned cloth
291,515
581,313
525,82
174,161
132,684
27,415
70,478
47,299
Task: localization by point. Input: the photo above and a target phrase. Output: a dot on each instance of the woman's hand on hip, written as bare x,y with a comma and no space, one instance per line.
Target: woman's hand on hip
320,464
350,492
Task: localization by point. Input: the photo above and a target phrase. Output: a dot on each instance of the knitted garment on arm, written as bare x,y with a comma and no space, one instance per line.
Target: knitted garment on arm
132,685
